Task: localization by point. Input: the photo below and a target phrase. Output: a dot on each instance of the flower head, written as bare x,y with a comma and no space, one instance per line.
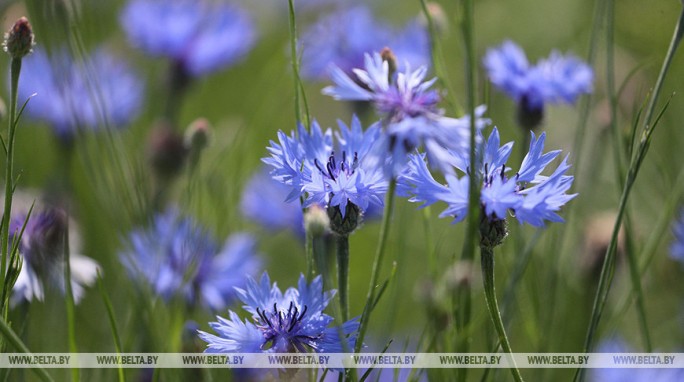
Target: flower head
677,247
176,257
281,322
410,111
342,38
533,198
346,177
18,40
557,79
200,36
42,247
72,96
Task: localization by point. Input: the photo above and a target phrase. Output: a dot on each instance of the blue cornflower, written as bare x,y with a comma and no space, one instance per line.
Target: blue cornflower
677,247
42,249
558,79
532,197
263,201
349,177
200,36
281,322
175,257
409,108
342,38
71,96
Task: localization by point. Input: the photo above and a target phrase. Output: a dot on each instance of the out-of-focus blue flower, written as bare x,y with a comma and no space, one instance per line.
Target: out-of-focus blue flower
263,201
630,374
677,247
175,257
532,197
330,176
409,108
342,38
557,79
42,247
70,96
281,322
200,36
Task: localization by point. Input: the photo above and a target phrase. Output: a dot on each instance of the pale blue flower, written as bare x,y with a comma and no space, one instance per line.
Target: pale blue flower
200,36
281,322
619,348
328,175
531,197
409,109
342,38
72,96
175,257
557,79
42,250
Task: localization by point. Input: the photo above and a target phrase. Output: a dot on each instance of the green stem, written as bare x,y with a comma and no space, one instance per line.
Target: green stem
16,342
309,249
487,261
608,268
15,70
343,274
377,263
298,86
112,323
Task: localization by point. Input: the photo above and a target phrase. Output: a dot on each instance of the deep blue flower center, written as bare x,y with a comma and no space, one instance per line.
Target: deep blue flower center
282,324
333,168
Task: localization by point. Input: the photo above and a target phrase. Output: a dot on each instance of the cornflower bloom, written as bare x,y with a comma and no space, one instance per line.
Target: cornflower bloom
409,107
42,248
263,201
281,322
346,179
677,247
531,197
342,38
199,36
557,79
72,96
175,257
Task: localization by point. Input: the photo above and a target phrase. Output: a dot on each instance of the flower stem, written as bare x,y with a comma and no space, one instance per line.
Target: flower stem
15,69
377,263
343,274
487,261
18,345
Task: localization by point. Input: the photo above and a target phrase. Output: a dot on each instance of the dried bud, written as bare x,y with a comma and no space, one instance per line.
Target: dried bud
388,56
19,39
167,151
316,221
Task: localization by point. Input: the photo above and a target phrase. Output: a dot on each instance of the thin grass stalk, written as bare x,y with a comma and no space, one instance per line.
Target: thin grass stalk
635,164
377,263
300,95
112,324
14,340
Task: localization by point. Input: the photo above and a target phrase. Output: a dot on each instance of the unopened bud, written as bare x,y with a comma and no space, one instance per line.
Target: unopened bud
316,221
492,231
388,56
198,134
530,114
19,39
167,151
438,16
344,226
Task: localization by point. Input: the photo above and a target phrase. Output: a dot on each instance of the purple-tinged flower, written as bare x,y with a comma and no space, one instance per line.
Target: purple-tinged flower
263,201
73,96
409,108
200,36
677,247
558,79
345,178
281,322
621,349
175,257
342,38
533,198
42,248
